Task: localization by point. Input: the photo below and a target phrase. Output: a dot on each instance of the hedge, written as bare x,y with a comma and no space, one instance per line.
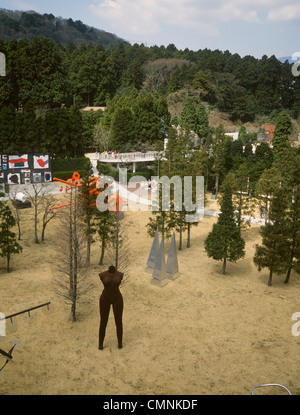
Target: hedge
107,170
69,164
146,174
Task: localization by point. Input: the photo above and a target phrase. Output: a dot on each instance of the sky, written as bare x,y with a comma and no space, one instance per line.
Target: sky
246,27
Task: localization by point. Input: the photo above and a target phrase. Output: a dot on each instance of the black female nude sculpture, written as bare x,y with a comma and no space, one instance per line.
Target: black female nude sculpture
111,294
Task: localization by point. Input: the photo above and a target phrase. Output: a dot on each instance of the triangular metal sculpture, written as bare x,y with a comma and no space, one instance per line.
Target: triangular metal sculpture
172,261
153,254
159,275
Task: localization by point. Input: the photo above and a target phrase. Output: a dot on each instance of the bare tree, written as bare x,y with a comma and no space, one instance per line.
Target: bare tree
71,283
41,201
34,193
118,250
158,72
49,202
101,137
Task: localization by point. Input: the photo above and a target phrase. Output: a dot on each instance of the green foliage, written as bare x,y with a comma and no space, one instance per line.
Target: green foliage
224,242
70,164
64,31
146,174
194,117
65,175
273,253
293,234
104,225
283,129
8,241
107,170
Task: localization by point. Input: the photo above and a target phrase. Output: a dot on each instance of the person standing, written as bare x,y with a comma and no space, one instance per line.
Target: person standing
111,295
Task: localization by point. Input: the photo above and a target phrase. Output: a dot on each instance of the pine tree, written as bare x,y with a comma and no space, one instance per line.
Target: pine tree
283,129
273,253
77,144
103,223
224,242
267,185
293,224
203,123
8,241
88,197
243,204
119,250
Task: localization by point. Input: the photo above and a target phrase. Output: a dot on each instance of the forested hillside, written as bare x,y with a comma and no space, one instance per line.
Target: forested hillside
52,74
145,91
26,25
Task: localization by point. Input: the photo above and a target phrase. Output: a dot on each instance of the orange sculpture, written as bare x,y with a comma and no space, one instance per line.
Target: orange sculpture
114,203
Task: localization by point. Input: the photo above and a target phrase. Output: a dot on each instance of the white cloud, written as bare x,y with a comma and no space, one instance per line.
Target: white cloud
285,13
146,18
141,17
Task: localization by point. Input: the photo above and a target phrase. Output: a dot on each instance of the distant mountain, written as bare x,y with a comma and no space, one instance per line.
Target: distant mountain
29,24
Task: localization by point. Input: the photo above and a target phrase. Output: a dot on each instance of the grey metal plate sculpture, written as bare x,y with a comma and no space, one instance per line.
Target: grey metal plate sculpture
159,275
172,261
153,254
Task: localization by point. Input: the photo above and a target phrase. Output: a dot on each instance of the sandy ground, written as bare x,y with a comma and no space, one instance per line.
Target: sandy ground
200,334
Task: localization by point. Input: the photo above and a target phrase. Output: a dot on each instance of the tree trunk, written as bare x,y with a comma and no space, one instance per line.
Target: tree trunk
19,226
287,278
73,311
36,239
217,184
43,230
8,263
270,278
206,184
189,236
223,267
88,251
239,216
180,233
76,247
102,251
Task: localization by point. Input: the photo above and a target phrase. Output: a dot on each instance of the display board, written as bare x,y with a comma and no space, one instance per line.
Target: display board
25,168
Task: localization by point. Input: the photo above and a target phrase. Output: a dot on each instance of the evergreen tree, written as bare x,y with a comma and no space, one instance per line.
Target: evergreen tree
267,185
7,130
273,253
77,144
88,205
122,132
243,204
8,241
293,230
219,155
283,129
203,123
224,242
103,223
188,116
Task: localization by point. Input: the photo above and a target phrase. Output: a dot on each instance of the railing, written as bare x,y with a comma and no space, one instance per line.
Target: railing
25,311
130,157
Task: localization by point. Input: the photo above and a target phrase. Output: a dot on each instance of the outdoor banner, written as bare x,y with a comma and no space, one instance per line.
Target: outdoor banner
25,168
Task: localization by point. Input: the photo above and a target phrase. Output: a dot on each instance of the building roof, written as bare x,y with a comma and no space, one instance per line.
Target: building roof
93,108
